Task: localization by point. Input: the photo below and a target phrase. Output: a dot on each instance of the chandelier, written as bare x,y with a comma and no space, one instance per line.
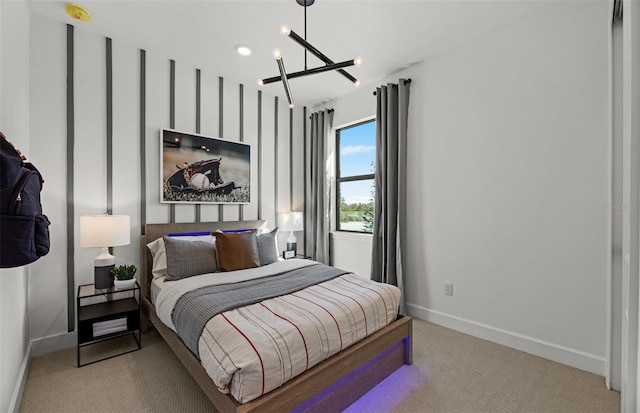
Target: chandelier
328,63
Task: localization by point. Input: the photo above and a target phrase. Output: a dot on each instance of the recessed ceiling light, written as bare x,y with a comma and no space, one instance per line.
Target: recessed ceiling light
243,49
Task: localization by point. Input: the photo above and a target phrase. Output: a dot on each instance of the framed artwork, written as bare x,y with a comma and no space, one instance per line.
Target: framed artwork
199,169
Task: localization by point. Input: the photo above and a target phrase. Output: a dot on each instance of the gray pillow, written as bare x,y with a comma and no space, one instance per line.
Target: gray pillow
237,250
189,258
268,247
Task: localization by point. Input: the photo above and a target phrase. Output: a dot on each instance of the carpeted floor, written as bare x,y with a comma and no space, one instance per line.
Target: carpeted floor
452,372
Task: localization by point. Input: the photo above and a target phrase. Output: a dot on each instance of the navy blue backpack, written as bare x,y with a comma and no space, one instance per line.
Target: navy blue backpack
24,229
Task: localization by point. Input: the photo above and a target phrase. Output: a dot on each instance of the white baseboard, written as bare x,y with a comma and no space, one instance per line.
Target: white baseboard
36,348
561,354
57,342
16,397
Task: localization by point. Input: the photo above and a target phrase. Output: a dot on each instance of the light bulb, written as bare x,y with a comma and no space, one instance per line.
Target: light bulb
357,83
260,82
285,29
291,105
357,61
277,54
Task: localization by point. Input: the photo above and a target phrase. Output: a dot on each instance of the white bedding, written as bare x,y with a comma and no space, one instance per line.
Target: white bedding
254,349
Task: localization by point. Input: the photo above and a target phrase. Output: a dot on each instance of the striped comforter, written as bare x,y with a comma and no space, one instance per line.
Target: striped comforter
254,349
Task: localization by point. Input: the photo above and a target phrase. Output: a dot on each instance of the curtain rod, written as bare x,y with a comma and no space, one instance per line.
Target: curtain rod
406,81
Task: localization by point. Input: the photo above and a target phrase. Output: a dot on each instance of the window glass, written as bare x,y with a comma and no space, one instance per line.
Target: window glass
355,177
357,149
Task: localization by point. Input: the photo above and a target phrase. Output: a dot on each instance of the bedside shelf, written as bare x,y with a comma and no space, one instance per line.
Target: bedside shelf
107,309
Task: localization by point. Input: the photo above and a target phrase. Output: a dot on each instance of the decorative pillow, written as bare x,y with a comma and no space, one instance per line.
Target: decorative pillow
159,254
268,247
237,250
158,251
188,258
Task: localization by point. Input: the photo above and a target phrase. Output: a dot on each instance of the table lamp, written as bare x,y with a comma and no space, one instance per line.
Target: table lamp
104,231
291,221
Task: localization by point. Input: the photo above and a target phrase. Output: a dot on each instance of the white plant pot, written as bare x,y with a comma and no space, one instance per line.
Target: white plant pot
122,284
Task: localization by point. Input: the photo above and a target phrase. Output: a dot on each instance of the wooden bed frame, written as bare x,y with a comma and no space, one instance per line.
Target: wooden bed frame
367,362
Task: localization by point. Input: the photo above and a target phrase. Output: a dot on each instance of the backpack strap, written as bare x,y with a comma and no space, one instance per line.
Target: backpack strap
16,197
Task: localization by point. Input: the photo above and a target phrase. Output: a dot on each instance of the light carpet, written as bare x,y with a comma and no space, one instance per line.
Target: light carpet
451,372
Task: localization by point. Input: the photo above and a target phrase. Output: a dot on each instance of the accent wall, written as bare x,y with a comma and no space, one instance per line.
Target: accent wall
97,109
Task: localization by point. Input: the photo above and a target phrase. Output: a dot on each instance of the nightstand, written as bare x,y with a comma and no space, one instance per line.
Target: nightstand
106,314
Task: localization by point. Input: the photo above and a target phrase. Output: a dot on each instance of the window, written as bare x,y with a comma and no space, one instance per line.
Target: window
355,179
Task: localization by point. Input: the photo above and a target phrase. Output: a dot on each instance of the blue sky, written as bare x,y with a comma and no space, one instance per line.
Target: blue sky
357,152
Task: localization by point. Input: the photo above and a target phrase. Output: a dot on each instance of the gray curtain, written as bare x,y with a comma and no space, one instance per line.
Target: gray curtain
317,218
389,223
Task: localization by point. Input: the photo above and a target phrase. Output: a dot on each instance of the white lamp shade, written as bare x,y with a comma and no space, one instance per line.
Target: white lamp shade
291,221
104,230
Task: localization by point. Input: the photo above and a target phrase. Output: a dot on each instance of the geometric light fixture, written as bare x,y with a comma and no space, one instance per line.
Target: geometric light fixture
328,63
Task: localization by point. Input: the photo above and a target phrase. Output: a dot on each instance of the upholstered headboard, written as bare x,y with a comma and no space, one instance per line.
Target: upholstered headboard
155,231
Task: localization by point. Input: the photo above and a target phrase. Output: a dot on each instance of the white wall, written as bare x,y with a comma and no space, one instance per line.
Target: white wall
508,162
351,252
14,123
630,203
47,307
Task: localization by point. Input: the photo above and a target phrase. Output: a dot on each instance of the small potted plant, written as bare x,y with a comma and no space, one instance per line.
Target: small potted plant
123,276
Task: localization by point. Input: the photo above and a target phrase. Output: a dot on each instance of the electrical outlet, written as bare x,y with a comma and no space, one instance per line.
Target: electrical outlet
448,288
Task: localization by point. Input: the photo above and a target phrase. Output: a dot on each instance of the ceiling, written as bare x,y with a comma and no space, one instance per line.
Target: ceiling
386,35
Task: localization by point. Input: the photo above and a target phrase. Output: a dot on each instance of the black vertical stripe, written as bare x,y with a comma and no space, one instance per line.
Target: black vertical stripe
275,162
70,183
198,206
172,120
290,159
109,59
198,100
259,154
241,110
172,94
221,129
304,179
143,141
241,137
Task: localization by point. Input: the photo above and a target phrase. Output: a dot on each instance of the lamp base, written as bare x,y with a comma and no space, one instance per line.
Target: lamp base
292,243
292,246
102,277
103,264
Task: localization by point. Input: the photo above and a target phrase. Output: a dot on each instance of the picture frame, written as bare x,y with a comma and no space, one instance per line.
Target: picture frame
198,169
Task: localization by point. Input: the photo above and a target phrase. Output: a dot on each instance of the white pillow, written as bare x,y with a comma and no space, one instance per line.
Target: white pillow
159,253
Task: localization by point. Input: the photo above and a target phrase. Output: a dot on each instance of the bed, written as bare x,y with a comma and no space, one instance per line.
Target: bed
330,385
